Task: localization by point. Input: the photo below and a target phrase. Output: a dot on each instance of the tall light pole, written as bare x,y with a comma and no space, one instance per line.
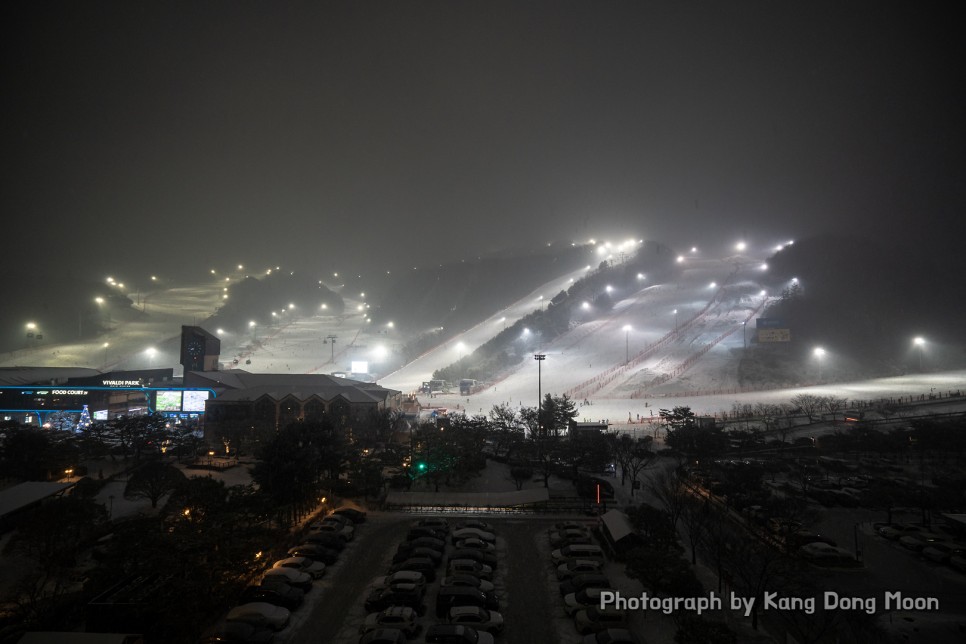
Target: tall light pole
539,357
919,342
819,354
627,354
106,345
675,319
330,339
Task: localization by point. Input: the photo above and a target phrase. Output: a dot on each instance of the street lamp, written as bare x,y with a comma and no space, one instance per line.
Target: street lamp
675,319
819,354
919,342
69,472
539,357
627,332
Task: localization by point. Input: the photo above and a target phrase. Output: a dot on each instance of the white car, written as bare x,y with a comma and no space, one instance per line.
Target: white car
346,532
402,577
475,544
471,581
469,567
472,533
575,602
260,614
822,553
292,577
402,617
577,566
316,569
479,618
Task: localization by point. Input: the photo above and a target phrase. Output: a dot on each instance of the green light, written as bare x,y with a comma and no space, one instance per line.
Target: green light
421,466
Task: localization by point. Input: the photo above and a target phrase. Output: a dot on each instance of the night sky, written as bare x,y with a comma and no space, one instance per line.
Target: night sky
371,136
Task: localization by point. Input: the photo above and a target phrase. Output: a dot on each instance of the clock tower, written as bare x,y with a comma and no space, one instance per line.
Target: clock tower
199,349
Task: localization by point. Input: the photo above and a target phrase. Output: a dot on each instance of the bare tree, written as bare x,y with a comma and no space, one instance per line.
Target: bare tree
809,404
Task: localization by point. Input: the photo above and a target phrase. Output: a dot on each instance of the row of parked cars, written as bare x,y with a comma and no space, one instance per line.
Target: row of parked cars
266,608
462,558
935,543
578,564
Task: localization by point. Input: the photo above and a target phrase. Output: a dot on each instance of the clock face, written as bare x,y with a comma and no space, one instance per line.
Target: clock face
195,348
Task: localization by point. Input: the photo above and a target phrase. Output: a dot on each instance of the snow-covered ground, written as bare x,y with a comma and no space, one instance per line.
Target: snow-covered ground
660,346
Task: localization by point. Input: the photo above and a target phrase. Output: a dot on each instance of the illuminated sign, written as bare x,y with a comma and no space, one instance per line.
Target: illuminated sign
168,401
774,335
121,383
195,400
360,366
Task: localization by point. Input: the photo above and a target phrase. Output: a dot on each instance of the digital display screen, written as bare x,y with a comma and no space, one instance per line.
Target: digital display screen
168,401
195,400
99,414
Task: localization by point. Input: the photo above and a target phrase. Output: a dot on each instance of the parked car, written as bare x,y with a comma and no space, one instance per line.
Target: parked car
612,636
466,533
238,633
424,542
456,634
449,596
326,540
383,636
584,580
822,553
426,532
399,595
346,532
356,514
479,618
315,552
403,618
417,564
561,538
894,531
417,579
476,544
576,551
294,578
315,569
408,553
279,594
941,552
594,618
469,567
920,540
488,558
574,602
336,519
434,523
578,566
474,523
261,614
467,580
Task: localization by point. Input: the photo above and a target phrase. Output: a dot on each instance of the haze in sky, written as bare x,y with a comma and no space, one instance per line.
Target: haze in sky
373,136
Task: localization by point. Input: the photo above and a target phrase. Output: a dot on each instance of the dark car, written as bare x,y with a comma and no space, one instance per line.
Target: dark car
417,564
450,596
481,556
238,633
415,533
474,523
384,636
612,636
587,580
326,540
355,514
315,552
467,580
278,594
399,595
424,542
456,634
434,523
409,553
